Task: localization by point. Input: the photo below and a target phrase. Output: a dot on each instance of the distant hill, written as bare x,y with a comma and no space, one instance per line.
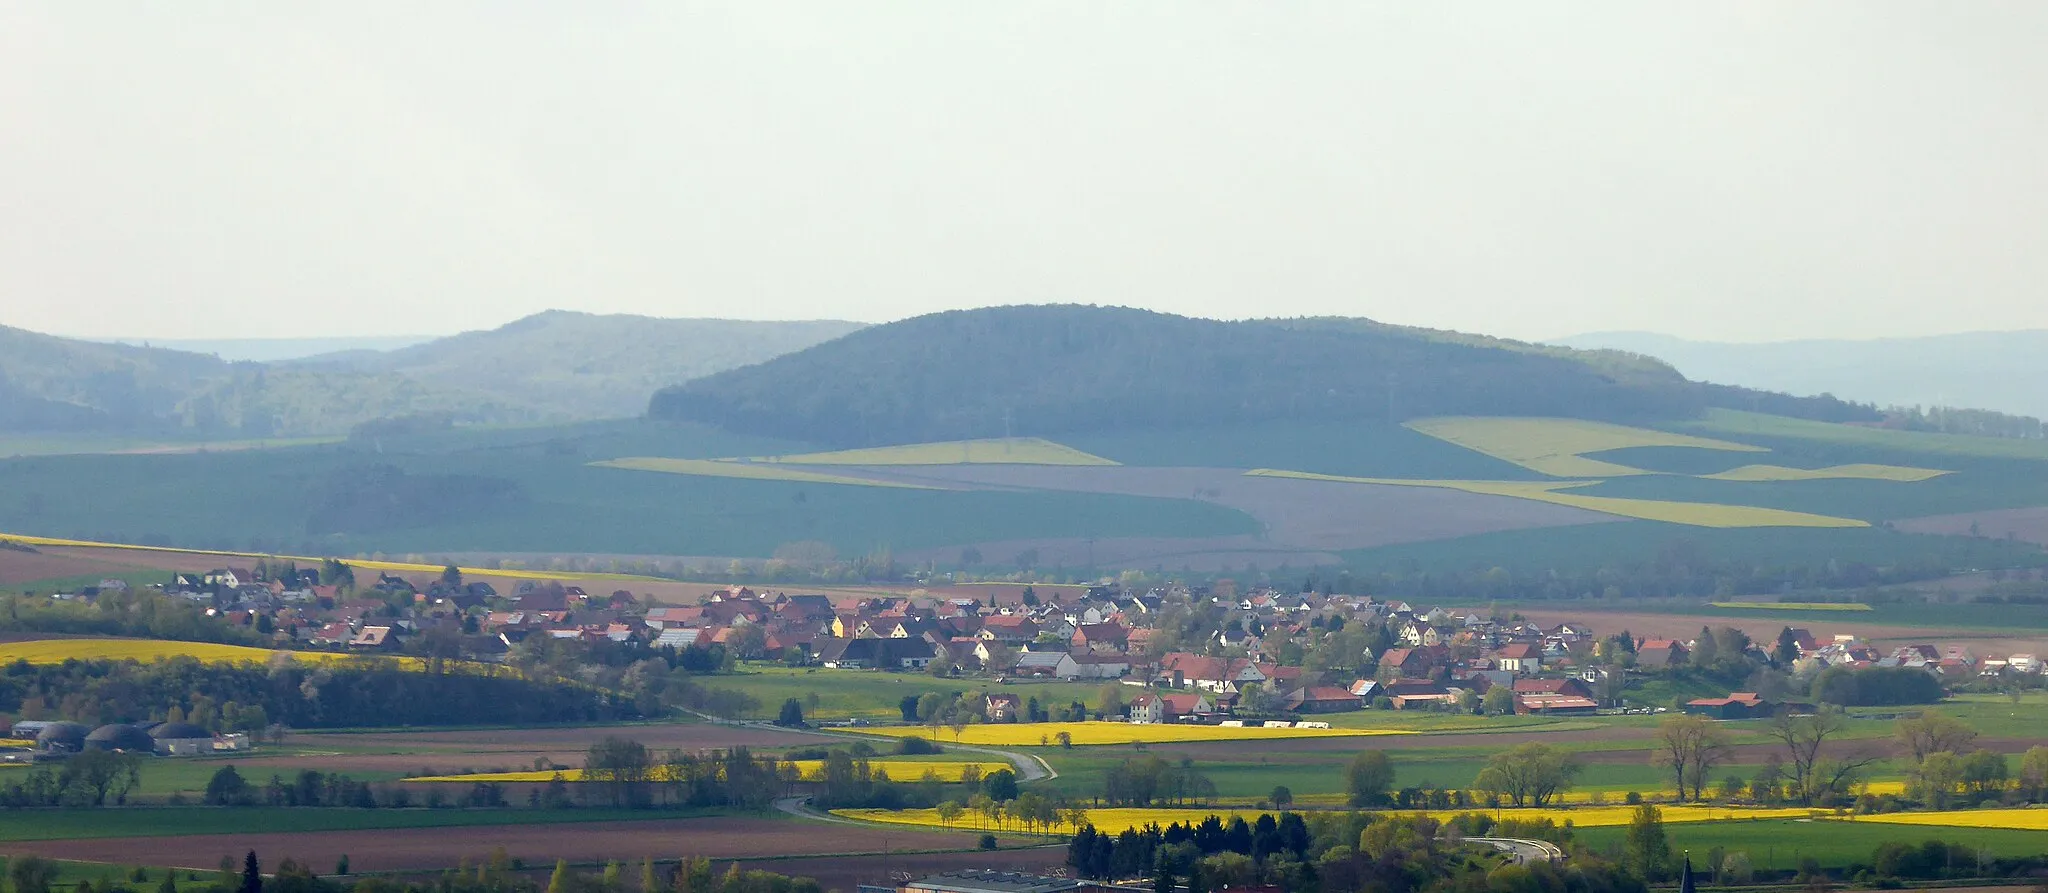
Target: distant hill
585,365
271,350
550,367
1052,370
1987,370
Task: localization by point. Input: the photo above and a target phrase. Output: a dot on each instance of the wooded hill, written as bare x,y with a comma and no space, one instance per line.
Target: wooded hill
1051,370
550,367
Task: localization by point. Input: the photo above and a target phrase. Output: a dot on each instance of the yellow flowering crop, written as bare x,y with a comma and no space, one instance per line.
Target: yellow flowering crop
1047,733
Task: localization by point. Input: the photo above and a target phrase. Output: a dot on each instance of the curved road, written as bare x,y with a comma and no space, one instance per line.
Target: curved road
1524,851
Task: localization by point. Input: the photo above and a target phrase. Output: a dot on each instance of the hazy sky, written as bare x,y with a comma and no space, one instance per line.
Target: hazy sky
1737,171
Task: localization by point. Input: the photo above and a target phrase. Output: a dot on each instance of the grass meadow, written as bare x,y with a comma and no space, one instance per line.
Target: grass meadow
1779,844
874,694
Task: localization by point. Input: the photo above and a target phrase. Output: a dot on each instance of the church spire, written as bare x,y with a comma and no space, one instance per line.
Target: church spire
1685,880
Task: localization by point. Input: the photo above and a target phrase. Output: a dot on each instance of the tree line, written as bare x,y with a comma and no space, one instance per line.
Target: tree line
1339,852
285,693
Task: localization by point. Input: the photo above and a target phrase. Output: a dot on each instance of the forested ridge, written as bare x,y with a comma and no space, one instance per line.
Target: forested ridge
1051,370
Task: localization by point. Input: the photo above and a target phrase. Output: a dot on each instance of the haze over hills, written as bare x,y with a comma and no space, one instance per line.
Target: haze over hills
271,350
1055,370
2001,371
550,367
585,365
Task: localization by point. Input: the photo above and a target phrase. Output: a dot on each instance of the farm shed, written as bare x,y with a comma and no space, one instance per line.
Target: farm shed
181,739
1737,705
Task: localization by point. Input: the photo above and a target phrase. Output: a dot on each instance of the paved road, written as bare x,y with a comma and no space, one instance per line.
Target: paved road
1524,851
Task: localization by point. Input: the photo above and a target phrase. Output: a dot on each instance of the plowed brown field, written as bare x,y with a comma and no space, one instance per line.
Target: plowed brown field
438,848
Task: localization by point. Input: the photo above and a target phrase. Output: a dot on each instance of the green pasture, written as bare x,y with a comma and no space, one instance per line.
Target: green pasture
1779,844
1750,427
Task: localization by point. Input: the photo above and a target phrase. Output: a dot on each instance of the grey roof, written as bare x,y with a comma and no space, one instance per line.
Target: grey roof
1040,658
120,736
179,731
985,881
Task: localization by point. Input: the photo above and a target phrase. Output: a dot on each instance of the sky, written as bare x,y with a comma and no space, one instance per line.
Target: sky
1743,171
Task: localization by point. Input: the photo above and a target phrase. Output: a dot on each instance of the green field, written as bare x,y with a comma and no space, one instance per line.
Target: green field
874,694
562,505
1634,542
1750,427
1779,844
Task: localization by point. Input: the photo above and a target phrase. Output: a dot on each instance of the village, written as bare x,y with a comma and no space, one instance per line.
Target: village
1192,655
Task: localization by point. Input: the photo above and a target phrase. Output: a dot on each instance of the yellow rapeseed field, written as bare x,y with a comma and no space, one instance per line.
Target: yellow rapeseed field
1084,733
999,451
1115,821
745,469
2021,819
811,770
1793,606
1860,472
57,651
1556,447
1694,514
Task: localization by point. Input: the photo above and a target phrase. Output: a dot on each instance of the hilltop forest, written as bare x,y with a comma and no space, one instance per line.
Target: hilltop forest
1051,370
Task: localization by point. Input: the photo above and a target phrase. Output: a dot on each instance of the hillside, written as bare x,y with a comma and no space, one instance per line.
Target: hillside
1988,370
548,368
1051,370
570,366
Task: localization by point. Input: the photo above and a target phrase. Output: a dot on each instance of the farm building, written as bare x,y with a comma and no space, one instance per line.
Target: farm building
61,737
181,739
987,881
1158,708
122,737
887,654
1737,705
1323,699
1555,705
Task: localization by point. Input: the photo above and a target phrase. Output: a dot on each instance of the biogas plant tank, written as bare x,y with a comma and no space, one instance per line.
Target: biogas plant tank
120,736
61,736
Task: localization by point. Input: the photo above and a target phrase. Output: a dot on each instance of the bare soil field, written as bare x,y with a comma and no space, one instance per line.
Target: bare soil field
1687,626
2028,525
657,736
18,567
438,848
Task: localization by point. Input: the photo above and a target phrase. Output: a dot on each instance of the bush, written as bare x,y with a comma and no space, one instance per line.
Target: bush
1634,798
988,841
914,746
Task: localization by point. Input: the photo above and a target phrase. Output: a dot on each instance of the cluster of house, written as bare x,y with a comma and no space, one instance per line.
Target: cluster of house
1438,657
